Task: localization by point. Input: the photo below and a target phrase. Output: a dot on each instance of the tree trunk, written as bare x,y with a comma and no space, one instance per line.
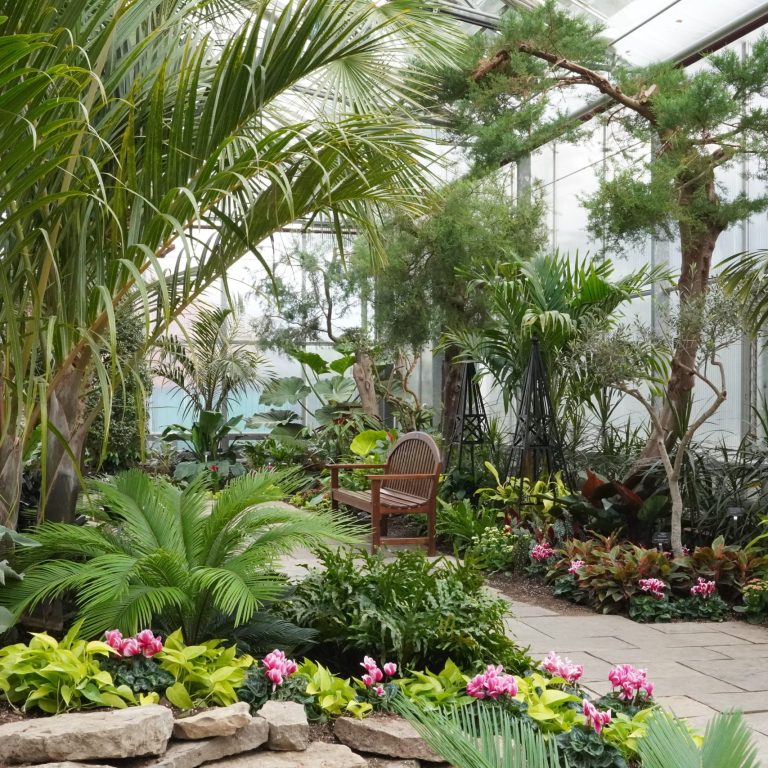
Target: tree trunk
63,462
452,372
676,527
11,466
362,373
698,240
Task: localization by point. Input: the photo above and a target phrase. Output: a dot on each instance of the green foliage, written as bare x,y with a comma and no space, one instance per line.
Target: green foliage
727,743
59,676
257,689
207,365
755,595
460,521
165,557
414,611
422,290
646,608
553,297
502,549
553,709
205,674
140,674
482,737
333,695
712,608
8,540
583,748
128,416
430,690
205,437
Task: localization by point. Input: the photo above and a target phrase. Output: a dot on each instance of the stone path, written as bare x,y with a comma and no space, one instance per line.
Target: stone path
698,668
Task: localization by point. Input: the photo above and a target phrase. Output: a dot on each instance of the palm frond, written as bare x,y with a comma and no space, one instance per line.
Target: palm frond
477,736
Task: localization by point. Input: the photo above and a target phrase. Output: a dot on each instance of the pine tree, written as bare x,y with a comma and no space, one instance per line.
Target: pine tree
690,124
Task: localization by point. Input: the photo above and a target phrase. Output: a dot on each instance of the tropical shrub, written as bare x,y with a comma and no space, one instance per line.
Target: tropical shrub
502,549
460,521
585,748
60,676
611,575
415,611
205,674
165,557
274,679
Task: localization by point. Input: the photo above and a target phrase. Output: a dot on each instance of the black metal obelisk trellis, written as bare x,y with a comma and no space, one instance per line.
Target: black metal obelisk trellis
470,427
537,450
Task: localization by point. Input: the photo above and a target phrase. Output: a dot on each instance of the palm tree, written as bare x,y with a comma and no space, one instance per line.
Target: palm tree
745,276
163,558
727,743
207,365
551,296
148,145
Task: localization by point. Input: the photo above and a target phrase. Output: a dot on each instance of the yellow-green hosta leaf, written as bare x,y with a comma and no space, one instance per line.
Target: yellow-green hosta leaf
42,640
148,698
554,696
541,713
113,700
178,695
359,708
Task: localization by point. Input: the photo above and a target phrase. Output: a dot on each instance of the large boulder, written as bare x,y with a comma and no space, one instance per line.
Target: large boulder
116,733
389,736
288,726
317,755
190,754
219,721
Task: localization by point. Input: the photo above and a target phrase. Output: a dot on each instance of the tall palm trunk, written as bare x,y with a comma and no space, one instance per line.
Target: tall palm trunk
65,445
452,371
11,467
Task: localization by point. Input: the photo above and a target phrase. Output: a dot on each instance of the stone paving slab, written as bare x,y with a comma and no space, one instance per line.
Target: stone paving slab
746,701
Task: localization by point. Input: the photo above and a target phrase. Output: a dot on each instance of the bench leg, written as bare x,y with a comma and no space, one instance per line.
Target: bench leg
384,525
376,522
431,524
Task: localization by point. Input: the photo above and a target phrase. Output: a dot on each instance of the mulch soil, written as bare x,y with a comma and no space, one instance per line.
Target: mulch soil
536,592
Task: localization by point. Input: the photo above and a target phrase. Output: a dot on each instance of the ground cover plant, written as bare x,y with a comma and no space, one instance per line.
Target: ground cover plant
416,612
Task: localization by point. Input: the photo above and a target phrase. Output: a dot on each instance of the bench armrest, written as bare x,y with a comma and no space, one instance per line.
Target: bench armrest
336,467
355,466
380,478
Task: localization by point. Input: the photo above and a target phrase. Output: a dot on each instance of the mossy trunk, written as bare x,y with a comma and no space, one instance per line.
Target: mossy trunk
452,371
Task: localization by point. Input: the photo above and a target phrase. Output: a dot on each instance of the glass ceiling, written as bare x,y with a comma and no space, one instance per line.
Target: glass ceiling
641,30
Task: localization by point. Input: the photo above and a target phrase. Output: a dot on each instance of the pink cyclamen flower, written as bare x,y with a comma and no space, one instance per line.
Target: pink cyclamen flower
379,690
558,667
492,683
703,588
368,664
575,566
275,676
114,639
153,648
542,552
145,637
595,718
368,680
655,586
630,682
390,668
130,647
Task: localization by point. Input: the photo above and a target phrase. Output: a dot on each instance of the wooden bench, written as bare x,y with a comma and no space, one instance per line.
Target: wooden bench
407,487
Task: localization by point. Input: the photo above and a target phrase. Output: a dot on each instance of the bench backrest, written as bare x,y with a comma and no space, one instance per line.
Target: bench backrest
414,453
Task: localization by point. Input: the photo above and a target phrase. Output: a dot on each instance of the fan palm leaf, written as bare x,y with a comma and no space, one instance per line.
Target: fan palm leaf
162,558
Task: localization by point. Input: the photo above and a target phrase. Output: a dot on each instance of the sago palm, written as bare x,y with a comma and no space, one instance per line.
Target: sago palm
482,737
148,145
164,557
727,743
